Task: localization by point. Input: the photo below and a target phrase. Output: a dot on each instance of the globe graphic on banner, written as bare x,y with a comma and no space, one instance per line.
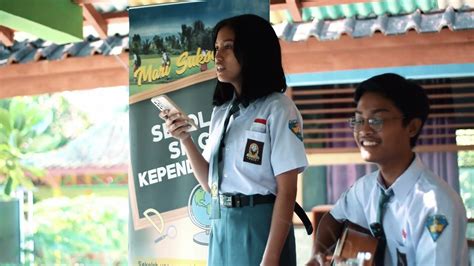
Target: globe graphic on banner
199,208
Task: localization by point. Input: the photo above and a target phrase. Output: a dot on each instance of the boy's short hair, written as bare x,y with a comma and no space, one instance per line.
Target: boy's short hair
406,95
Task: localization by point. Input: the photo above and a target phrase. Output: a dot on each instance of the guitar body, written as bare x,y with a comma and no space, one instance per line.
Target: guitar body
355,240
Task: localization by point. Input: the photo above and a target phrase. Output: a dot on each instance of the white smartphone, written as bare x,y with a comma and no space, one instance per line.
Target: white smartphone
164,102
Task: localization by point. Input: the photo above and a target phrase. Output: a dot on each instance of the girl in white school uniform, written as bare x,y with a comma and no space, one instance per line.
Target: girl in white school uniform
252,172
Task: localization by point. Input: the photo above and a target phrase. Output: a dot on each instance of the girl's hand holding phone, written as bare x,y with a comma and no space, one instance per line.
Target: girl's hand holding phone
177,125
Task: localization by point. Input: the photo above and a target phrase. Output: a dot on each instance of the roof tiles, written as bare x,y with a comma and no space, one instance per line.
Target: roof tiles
30,51
371,9
325,30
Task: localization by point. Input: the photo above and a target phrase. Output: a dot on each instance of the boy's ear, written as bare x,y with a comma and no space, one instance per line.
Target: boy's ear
414,126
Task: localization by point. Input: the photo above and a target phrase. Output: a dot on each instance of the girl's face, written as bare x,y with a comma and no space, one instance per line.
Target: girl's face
227,67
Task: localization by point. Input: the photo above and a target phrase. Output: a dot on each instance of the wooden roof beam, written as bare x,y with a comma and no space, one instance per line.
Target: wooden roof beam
74,73
112,18
95,19
347,53
116,17
6,36
294,6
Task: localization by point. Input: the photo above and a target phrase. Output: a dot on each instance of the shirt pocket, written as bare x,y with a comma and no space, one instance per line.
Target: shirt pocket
252,151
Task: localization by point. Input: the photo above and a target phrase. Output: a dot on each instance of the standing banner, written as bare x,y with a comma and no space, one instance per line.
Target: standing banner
171,52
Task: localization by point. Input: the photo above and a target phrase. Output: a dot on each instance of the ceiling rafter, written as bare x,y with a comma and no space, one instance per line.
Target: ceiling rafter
116,17
277,4
95,19
294,6
412,48
111,18
6,36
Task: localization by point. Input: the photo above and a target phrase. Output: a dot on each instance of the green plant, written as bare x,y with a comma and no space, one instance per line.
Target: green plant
81,230
32,125
466,175
21,130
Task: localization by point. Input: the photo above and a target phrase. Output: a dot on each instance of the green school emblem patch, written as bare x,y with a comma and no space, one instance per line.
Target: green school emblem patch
436,225
295,128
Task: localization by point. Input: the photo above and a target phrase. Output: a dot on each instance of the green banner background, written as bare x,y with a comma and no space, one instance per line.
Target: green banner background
173,191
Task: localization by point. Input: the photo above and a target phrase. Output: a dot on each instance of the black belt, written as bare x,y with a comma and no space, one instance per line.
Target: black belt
239,200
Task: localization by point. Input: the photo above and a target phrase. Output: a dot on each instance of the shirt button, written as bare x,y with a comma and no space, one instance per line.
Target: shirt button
225,175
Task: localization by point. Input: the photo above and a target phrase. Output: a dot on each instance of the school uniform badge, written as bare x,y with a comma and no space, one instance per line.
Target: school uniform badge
253,152
436,225
295,128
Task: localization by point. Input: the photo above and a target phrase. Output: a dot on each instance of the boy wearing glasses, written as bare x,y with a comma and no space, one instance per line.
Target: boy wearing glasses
416,216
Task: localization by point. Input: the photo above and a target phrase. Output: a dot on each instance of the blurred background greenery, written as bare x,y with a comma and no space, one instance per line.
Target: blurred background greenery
466,181
81,230
79,220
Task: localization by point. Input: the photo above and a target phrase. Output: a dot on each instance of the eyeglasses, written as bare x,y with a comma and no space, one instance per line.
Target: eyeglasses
376,123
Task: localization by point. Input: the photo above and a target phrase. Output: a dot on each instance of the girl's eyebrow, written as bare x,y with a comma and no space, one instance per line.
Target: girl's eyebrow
227,40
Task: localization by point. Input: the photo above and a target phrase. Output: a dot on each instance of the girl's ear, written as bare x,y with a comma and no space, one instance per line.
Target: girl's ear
414,127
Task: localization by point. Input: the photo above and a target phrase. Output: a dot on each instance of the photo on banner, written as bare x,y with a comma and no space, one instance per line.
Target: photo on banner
171,53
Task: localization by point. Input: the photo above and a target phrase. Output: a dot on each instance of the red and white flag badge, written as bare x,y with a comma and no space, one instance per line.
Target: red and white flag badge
259,125
404,234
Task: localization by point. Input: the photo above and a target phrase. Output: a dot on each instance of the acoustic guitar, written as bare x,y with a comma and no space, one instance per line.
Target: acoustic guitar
353,241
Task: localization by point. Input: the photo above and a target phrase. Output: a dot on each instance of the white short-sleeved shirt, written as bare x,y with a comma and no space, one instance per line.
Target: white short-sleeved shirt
419,197
264,140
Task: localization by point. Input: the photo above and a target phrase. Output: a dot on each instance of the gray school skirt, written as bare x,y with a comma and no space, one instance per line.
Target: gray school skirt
240,236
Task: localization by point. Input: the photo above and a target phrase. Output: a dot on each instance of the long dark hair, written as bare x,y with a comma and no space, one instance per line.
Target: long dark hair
257,49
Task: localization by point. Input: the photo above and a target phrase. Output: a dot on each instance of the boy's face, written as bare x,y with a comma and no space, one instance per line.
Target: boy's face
386,140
